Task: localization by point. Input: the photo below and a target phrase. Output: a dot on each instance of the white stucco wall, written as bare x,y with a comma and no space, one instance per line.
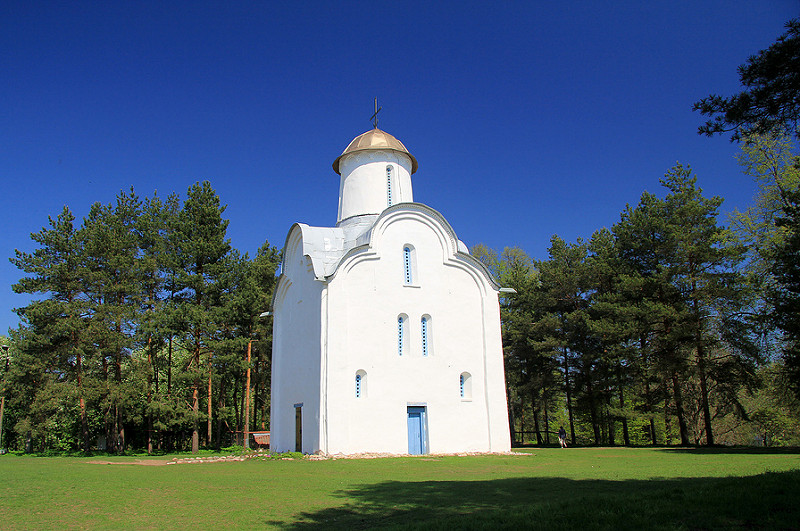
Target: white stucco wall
297,332
363,182
364,299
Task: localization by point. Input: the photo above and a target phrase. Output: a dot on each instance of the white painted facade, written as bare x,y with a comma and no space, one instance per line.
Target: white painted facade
344,368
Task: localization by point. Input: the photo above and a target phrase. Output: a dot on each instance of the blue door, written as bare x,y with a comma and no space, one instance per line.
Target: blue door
416,430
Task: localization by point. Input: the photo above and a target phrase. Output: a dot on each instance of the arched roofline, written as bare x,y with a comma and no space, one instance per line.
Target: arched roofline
439,219
282,278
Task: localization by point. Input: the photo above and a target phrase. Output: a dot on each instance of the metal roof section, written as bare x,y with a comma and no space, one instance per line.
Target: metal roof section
327,246
376,140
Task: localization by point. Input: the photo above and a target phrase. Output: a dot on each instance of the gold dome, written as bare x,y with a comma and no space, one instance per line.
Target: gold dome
375,140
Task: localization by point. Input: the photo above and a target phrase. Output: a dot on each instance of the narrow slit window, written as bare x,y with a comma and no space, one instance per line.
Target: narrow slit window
407,264
425,338
361,383
465,386
389,185
401,334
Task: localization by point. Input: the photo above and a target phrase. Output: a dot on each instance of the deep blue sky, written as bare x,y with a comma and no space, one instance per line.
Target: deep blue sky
528,119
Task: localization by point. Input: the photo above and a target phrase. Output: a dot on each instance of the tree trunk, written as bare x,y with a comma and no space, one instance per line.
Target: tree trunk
648,398
569,395
701,365
195,415
611,422
117,431
208,422
626,440
676,391
236,412
546,422
536,419
667,418
149,395
704,396
592,408
510,414
701,369
84,424
256,393
169,367
220,406
241,411
81,398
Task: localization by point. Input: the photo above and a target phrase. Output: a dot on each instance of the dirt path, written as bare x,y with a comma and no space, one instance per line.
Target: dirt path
145,462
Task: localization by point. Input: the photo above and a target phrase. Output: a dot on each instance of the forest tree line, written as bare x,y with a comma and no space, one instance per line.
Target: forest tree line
668,328
138,331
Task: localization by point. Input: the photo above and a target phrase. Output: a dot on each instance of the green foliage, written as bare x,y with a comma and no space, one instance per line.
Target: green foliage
647,333
138,308
786,296
771,102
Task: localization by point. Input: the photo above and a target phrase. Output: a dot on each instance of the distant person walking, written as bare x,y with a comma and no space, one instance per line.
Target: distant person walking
562,437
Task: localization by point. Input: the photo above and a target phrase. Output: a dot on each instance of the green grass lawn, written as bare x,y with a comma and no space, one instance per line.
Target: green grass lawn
588,488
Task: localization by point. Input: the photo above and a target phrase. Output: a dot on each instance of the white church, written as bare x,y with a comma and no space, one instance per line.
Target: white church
386,332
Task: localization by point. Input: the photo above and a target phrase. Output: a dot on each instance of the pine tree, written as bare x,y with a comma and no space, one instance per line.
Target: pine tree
201,246
562,325
114,287
655,307
786,296
51,339
156,330
702,262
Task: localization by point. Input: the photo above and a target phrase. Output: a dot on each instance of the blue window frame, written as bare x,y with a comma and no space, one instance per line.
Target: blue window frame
424,336
358,386
389,185
401,325
407,264
465,386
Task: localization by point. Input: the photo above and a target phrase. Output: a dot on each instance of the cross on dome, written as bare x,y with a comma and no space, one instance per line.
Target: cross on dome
374,116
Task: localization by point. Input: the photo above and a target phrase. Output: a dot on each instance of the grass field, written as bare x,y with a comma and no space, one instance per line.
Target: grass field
580,488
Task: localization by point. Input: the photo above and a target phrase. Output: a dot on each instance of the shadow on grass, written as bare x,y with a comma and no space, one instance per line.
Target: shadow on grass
767,500
743,450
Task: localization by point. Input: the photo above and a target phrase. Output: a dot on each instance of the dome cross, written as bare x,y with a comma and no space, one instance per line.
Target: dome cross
374,116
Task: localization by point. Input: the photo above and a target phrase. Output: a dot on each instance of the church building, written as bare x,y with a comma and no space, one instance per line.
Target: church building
386,332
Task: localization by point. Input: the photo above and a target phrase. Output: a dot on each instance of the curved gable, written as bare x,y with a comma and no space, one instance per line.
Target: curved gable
453,250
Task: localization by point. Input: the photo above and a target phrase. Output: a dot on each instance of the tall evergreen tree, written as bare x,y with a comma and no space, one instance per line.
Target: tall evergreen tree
786,296
114,288
201,247
612,325
562,325
703,259
51,340
655,306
